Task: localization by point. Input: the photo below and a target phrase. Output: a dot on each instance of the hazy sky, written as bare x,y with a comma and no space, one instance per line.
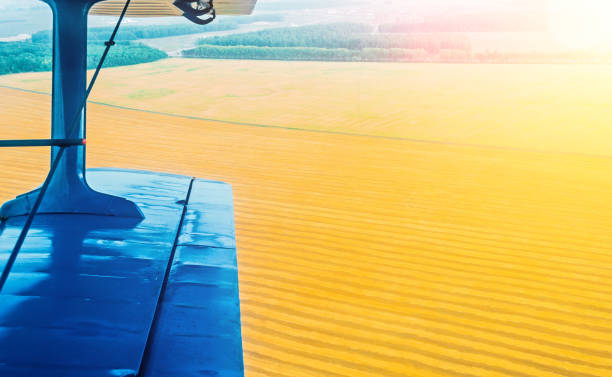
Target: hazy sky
578,22
4,4
8,4
574,23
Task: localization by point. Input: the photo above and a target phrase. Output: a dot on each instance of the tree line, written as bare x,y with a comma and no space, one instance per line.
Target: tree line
389,55
345,35
359,42
335,42
324,54
342,36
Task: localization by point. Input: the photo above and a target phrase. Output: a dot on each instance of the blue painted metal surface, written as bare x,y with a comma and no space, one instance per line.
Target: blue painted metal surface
68,190
198,329
85,296
41,143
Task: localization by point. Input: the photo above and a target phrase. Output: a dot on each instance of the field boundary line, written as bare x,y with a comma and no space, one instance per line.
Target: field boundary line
331,132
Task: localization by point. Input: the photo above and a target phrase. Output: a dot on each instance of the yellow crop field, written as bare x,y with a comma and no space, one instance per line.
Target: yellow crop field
563,108
473,239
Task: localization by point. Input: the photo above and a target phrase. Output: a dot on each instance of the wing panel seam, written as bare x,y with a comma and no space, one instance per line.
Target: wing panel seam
150,337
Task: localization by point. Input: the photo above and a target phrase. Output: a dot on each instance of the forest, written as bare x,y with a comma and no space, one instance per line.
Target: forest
361,42
16,57
35,54
344,35
333,42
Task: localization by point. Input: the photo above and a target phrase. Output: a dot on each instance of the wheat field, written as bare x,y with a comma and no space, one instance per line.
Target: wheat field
392,220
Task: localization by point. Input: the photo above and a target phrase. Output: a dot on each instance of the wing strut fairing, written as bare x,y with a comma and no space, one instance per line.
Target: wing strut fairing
68,190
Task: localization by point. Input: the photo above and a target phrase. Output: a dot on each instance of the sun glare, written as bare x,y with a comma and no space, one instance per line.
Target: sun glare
582,24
